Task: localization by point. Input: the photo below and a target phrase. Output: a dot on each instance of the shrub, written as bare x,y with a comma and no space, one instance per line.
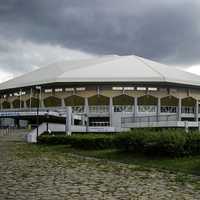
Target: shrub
130,141
169,142
54,140
80,141
192,144
90,141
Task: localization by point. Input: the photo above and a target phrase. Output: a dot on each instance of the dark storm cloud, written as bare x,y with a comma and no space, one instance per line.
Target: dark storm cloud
166,31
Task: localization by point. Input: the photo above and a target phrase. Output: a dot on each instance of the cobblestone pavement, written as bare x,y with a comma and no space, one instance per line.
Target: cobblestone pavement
66,176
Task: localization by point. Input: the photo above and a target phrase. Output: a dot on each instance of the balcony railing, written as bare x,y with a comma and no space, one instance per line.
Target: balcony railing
124,108
99,123
169,109
147,109
188,110
105,109
98,109
159,118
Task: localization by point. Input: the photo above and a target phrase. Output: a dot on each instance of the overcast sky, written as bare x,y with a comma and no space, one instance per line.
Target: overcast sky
38,32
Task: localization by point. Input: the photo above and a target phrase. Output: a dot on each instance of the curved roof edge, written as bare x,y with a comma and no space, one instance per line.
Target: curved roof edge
104,69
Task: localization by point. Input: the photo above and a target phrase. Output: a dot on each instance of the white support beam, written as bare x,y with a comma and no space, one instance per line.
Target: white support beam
158,107
111,110
135,105
86,105
63,102
68,120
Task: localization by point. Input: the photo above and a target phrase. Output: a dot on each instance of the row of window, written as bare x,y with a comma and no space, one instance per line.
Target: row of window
50,90
135,88
21,93
66,89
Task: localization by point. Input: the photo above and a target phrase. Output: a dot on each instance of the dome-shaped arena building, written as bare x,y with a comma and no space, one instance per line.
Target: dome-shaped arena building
108,93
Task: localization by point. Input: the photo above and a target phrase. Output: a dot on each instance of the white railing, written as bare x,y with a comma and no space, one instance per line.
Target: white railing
169,109
98,109
123,108
188,110
147,109
99,123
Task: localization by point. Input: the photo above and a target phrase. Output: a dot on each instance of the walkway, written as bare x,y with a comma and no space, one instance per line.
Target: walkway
31,172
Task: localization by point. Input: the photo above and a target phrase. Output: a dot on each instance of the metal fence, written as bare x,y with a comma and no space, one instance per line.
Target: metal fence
156,118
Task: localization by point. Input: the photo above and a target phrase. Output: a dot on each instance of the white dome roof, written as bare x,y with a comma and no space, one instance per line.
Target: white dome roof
104,69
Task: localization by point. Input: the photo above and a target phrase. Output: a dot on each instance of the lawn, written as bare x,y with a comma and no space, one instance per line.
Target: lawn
188,165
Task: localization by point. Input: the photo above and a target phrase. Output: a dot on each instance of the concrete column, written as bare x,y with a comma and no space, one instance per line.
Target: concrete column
86,105
135,106
197,111
111,110
41,99
42,103
179,109
63,102
158,108
68,120
186,127
25,105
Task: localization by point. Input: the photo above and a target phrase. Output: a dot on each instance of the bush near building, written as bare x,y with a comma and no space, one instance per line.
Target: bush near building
172,143
80,141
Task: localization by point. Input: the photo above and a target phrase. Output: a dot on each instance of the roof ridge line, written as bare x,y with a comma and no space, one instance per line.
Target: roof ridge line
149,66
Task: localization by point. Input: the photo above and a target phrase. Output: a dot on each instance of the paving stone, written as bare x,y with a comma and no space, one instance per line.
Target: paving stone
75,177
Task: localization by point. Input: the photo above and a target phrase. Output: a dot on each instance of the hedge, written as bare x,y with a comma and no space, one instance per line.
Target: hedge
80,141
153,143
165,143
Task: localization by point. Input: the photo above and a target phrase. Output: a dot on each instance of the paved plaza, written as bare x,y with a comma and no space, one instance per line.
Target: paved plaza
48,175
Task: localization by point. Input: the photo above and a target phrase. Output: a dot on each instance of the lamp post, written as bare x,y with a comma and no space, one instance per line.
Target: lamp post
38,88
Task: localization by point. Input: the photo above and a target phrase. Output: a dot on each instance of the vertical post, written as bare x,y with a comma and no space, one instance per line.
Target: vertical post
186,127
158,109
63,102
68,120
40,98
38,88
135,107
179,109
111,110
98,91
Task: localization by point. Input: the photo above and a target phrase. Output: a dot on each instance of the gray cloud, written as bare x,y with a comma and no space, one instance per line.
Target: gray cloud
166,31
